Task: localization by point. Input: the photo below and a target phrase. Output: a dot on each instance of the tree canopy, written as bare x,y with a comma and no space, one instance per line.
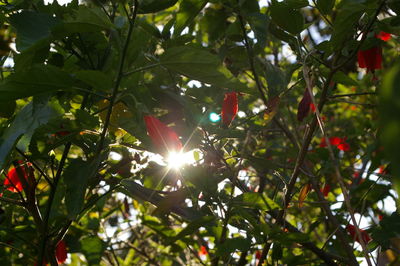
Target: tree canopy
195,132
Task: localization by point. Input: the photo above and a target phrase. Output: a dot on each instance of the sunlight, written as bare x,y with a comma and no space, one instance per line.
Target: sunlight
178,159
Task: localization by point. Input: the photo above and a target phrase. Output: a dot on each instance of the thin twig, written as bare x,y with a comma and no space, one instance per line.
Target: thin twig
140,69
36,166
119,77
352,94
339,176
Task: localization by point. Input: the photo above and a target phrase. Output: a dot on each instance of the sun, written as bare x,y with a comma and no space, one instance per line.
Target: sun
176,160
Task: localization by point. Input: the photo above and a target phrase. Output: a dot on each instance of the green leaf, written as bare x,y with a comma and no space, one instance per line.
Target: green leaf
34,55
343,26
96,79
193,227
76,177
388,228
277,251
342,78
389,118
188,10
276,79
7,109
290,238
24,125
249,7
93,16
93,249
212,22
394,5
232,244
87,20
150,28
325,6
86,120
296,4
135,190
33,81
199,64
32,27
259,24
287,18
153,6
257,200
282,35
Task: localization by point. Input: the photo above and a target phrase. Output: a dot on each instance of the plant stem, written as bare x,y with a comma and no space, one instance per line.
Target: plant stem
119,78
44,233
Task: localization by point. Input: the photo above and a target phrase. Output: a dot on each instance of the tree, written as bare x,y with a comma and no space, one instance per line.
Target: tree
288,109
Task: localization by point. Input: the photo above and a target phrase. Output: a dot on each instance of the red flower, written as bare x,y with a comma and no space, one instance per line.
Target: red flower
230,108
258,255
325,190
12,181
203,251
61,252
323,143
370,59
312,107
304,106
163,137
357,179
335,141
384,36
340,143
344,146
351,229
382,170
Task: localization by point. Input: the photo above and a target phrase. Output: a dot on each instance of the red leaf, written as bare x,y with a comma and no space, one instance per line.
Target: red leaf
258,255
61,252
370,59
326,189
351,229
230,108
312,107
163,137
12,181
304,106
384,36
62,133
303,194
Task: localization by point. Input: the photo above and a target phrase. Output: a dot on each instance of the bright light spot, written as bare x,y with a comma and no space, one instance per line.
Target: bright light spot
115,156
221,185
60,2
194,83
214,117
178,159
241,114
237,192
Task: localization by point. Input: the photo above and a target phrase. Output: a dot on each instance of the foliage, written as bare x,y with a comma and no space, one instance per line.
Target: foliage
99,91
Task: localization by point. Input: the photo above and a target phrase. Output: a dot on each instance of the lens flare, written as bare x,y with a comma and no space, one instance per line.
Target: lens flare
178,159
214,117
